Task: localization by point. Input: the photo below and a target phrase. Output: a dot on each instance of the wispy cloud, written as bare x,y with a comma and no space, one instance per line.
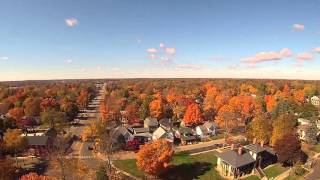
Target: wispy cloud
267,56
189,66
71,22
152,50
304,56
298,27
171,51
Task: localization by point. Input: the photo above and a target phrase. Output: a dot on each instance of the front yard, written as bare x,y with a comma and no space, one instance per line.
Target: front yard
185,166
274,170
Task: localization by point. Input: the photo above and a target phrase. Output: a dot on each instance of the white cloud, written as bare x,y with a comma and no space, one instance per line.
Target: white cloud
4,58
161,45
286,52
83,70
171,51
298,27
317,49
152,50
268,56
71,22
69,61
152,56
99,68
304,56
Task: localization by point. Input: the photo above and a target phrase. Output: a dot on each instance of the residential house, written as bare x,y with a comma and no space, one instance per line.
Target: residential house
165,123
151,123
211,127
186,135
301,130
202,132
121,130
38,144
234,164
160,133
143,137
263,154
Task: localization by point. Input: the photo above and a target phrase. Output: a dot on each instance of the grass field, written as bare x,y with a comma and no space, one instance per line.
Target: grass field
274,170
184,167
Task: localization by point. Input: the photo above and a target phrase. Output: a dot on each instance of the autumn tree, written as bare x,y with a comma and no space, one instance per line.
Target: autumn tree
16,113
32,106
132,111
13,141
5,105
285,106
33,176
288,148
282,125
69,107
49,103
193,115
260,128
52,118
144,111
271,102
7,169
299,96
156,106
153,158
226,118
209,102
83,99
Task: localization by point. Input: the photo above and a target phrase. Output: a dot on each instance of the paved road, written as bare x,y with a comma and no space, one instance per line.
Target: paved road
315,172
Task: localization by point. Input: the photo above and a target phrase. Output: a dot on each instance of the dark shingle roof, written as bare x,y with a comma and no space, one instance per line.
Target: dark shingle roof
151,121
256,148
236,160
37,140
188,138
140,130
165,122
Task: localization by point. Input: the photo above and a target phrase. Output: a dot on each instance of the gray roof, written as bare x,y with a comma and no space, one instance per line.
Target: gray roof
140,130
151,121
186,130
209,125
148,135
37,140
256,148
165,122
188,138
236,160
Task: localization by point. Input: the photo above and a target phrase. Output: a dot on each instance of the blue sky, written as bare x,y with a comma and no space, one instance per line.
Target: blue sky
57,39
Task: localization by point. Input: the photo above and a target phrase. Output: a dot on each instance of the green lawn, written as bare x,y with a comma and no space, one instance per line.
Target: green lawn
218,136
274,170
185,167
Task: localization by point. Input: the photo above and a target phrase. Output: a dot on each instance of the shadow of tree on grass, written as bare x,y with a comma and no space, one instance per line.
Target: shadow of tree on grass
186,171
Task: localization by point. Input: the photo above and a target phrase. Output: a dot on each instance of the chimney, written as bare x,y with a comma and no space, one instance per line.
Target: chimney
262,143
240,151
254,141
232,147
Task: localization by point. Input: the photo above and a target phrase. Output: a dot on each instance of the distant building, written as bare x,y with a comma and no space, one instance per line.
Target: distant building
38,144
186,135
315,100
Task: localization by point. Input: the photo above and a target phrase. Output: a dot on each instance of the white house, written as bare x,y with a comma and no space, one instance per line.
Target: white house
160,133
120,130
301,130
202,132
211,127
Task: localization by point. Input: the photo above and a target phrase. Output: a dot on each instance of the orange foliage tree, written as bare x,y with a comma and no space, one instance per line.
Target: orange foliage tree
299,96
16,113
33,176
226,118
193,115
271,102
153,158
156,106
